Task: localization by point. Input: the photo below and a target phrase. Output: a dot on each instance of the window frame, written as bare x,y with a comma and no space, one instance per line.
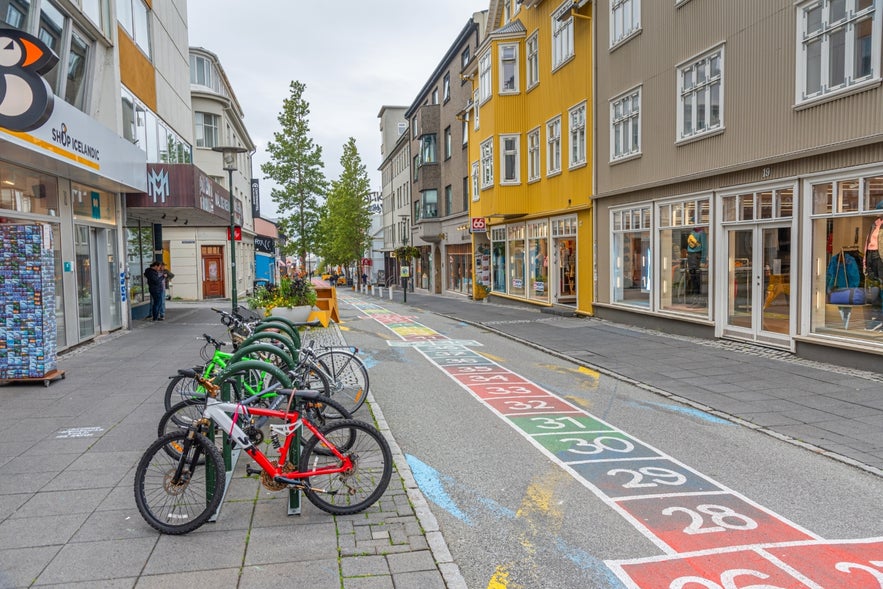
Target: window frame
562,36
822,36
631,122
553,146
534,159
532,68
619,34
200,126
486,154
706,84
505,60
511,176
485,88
578,137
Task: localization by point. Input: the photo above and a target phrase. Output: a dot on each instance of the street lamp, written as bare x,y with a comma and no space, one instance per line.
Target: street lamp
230,153
405,219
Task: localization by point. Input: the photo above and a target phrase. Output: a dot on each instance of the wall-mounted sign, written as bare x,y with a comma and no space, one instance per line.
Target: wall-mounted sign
26,99
479,225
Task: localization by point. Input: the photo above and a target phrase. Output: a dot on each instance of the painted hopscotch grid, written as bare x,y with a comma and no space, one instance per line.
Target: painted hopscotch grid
712,537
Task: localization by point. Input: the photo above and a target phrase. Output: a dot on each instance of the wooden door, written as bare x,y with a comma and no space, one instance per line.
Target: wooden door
212,272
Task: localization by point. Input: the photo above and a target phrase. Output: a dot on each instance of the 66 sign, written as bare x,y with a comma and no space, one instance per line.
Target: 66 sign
478,225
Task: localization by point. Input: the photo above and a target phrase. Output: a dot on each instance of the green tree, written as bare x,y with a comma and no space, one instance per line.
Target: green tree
347,221
296,166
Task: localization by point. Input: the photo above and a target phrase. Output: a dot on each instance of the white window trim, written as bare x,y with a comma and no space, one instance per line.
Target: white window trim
550,171
532,80
534,167
476,189
485,78
571,164
635,22
708,131
636,151
516,83
562,25
503,153
487,163
851,84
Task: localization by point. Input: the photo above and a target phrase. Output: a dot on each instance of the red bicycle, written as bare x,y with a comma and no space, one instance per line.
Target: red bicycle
342,469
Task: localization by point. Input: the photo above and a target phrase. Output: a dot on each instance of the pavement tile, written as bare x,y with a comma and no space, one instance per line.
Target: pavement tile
62,502
421,579
411,561
357,566
374,582
309,574
283,543
216,578
113,525
39,531
197,552
19,567
98,561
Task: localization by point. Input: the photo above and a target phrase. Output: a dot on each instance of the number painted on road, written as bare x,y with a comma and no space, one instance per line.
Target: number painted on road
600,444
658,476
719,515
528,405
728,581
557,422
848,567
510,390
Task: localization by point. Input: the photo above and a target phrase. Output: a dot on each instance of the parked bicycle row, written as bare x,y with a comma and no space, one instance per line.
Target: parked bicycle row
283,400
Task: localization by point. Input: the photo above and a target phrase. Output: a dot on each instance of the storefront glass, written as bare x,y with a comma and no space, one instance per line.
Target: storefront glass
632,256
684,255
516,265
27,191
139,255
847,213
538,250
564,261
498,246
93,205
459,275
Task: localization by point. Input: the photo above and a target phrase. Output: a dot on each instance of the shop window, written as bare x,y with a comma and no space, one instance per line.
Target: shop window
538,252
27,191
90,204
516,262
684,255
632,256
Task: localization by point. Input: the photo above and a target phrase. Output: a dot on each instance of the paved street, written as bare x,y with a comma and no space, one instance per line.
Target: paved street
68,451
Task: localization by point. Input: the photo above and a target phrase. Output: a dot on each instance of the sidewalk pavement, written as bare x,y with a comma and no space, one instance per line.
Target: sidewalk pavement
828,409
67,511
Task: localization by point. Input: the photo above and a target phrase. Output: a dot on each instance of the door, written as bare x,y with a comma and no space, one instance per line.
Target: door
212,272
85,249
757,291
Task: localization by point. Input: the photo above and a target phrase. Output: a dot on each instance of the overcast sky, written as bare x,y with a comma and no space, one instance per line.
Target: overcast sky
354,56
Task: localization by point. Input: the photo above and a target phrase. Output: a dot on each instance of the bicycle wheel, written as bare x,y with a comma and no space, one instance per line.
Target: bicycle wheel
181,388
349,377
180,417
316,412
359,487
178,496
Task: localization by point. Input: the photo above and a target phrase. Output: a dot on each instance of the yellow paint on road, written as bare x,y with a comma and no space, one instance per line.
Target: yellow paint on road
490,357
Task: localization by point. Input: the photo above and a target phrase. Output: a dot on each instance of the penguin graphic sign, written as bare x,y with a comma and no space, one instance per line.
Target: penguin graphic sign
26,100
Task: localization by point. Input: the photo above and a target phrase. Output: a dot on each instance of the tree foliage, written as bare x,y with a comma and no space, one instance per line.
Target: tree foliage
296,166
346,224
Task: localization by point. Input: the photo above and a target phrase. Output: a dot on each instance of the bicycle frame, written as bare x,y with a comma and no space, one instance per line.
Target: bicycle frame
217,412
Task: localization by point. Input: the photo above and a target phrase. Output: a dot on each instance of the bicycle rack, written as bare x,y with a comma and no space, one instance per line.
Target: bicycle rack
231,456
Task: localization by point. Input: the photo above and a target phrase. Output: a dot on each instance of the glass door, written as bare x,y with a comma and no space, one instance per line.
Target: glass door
758,284
87,310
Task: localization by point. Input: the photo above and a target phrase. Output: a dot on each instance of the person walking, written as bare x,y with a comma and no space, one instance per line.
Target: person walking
155,282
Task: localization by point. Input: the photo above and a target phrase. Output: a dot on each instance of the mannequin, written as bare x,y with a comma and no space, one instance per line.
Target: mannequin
696,258
873,264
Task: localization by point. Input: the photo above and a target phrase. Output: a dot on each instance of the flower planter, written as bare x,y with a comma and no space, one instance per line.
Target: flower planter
296,314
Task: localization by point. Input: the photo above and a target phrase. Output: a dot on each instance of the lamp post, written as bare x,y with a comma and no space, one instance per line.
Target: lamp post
229,152
405,219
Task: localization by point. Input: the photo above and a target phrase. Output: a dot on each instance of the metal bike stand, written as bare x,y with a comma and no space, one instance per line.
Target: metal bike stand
231,456
294,494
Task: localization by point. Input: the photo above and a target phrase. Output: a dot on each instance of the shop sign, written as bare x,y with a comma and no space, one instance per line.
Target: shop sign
27,100
478,225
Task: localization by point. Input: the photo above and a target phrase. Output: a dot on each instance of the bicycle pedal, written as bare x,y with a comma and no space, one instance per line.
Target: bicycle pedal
249,470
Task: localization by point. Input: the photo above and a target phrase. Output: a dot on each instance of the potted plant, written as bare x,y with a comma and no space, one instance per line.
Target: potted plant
292,298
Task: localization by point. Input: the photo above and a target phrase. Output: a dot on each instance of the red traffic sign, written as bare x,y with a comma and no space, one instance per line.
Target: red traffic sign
237,233
478,225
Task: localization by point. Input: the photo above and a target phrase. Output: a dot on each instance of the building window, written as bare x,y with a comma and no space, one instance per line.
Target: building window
553,146
465,196
14,17
446,87
449,200
508,69
683,231
631,256
416,166
414,127
562,34
577,135
464,58
475,184
487,163
625,20
625,125
465,131
510,160
203,73
428,150
700,93
142,127
475,107
533,155
133,16
839,45
434,96
484,77
207,129
447,143
429,204
533,61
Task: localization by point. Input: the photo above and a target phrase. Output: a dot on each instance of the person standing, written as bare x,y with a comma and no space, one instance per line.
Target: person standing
155,282
166,283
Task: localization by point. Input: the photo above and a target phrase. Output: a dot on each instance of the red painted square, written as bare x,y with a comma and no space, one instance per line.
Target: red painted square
460,369
837,564
503,377
532,405
743,568
701,522
490,391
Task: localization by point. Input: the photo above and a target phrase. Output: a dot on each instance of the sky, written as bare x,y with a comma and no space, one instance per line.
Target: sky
354,56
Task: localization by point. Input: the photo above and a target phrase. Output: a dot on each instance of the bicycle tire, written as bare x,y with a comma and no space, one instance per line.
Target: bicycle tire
349,377
181,388
353,491
178,509
180,417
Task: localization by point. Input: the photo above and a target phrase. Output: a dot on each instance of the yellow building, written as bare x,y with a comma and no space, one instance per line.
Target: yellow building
530,152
